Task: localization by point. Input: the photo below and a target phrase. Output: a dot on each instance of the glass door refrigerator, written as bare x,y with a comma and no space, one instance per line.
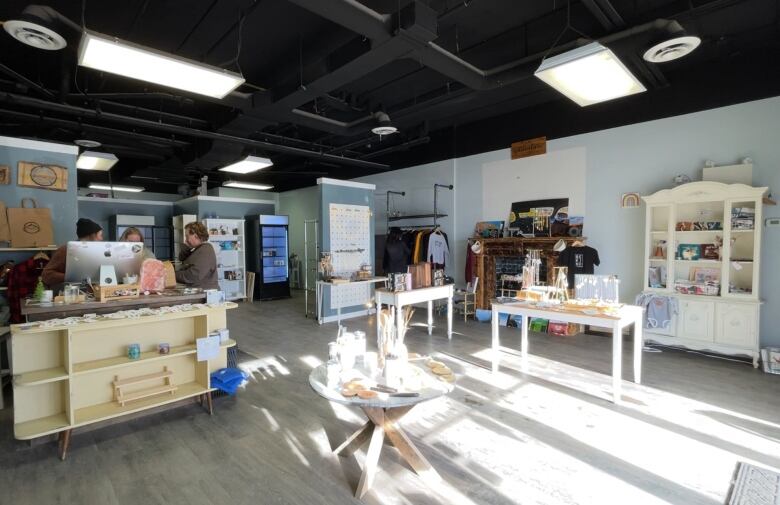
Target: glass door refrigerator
269,255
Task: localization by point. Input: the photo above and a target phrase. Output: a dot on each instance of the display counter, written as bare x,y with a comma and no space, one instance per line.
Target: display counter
38,312
69,374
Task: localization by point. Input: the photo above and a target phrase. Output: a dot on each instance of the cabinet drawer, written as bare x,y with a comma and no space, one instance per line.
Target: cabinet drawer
696,320
735,324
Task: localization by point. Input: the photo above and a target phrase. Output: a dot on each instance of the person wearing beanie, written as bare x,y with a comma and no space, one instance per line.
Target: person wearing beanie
53,275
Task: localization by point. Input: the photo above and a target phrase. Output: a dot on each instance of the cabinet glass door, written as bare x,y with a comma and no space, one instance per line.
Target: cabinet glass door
274,253
659,248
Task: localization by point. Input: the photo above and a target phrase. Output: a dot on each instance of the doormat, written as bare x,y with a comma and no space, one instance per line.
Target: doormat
754,485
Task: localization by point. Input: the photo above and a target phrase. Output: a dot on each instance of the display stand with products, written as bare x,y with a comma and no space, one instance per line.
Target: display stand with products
703,255
67,375
227,236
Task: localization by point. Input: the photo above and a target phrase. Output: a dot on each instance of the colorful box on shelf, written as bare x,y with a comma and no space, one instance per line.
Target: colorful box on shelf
692,288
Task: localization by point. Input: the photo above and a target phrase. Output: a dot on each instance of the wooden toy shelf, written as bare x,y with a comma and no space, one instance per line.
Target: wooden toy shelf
64,376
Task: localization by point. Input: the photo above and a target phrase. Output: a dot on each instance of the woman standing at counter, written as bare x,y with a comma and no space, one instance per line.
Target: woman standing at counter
133,234
198,263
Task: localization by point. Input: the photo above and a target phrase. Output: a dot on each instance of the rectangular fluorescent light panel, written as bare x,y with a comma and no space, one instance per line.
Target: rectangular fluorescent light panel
109,54
246,185
248,165
91,160
589,74
108,187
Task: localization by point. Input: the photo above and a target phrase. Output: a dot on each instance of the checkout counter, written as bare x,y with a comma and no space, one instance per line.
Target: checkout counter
81,363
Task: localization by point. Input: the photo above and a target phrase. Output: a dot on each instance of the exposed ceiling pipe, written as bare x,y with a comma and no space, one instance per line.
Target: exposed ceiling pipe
79,126
359,18
182,130
398,147
27,82
149,95
135,110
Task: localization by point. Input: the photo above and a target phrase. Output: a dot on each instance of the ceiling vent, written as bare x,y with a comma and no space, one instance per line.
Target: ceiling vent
384,125
672,49
35,35
89,144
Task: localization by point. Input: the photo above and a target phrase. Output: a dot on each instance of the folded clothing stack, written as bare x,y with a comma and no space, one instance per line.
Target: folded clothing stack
228,379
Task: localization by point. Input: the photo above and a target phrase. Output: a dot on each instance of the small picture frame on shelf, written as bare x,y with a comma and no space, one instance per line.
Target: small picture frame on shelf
709,252
689,252
705,275
164,348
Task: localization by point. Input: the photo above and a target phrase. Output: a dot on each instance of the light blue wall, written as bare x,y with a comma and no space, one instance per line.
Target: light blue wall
226,208
300,205
644,158
100,212
62,203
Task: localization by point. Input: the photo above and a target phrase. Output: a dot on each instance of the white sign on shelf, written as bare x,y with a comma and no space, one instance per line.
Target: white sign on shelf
207,347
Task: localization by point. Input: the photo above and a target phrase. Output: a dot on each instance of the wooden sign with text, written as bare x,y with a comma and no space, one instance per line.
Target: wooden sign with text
531,147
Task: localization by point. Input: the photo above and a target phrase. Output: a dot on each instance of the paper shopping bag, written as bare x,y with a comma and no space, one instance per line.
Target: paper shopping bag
30,225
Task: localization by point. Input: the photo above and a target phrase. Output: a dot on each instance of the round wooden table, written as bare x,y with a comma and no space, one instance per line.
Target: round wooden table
384,414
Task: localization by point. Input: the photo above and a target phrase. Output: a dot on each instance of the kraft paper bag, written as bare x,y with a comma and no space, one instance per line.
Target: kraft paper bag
5,232
30,225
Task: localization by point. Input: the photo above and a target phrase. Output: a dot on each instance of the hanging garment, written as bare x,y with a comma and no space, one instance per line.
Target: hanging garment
21,283
578,260
396,257
659,309
438,251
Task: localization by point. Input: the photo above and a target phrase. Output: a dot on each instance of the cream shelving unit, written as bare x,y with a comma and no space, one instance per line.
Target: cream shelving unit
725,323
63,375
232,260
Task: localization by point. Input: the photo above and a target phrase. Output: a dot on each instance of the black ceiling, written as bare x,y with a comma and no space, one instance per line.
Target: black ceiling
456,77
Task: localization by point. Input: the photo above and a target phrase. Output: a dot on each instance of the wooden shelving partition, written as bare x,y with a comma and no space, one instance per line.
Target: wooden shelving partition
63,376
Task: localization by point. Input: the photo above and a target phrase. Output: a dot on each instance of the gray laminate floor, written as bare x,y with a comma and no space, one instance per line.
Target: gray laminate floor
548,436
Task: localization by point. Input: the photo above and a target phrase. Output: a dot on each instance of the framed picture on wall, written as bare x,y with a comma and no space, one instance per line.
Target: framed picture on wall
5,174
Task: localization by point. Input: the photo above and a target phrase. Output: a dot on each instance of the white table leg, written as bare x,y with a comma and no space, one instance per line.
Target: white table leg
524,320
399,319
449,318
378,318
617,361
639,344
319,289
494,334
430,317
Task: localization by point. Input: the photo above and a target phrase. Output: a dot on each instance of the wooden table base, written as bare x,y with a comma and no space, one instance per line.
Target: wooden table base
384,422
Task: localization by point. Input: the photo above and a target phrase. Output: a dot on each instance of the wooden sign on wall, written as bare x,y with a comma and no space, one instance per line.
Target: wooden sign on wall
42,176
531,147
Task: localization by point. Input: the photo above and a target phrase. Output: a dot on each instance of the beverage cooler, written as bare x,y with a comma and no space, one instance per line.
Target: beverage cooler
268,255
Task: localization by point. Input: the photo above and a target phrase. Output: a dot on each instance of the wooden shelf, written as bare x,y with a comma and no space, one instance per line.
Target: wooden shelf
28,249
110,410
658,259
660,232
40,427
41,377
147,393
698,231
149,356
742,231
712,262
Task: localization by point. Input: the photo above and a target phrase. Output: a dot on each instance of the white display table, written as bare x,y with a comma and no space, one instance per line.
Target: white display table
404,298
339,285
626,316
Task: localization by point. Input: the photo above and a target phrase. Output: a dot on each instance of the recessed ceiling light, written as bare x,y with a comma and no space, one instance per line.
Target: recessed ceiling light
109,187
35,35
671,49
109,54
589,74
248,165
91,160
246,185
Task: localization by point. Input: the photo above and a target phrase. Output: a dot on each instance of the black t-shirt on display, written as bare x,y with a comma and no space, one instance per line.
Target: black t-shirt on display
579,260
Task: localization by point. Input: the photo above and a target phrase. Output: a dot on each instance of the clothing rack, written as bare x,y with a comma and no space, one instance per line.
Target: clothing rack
436,215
